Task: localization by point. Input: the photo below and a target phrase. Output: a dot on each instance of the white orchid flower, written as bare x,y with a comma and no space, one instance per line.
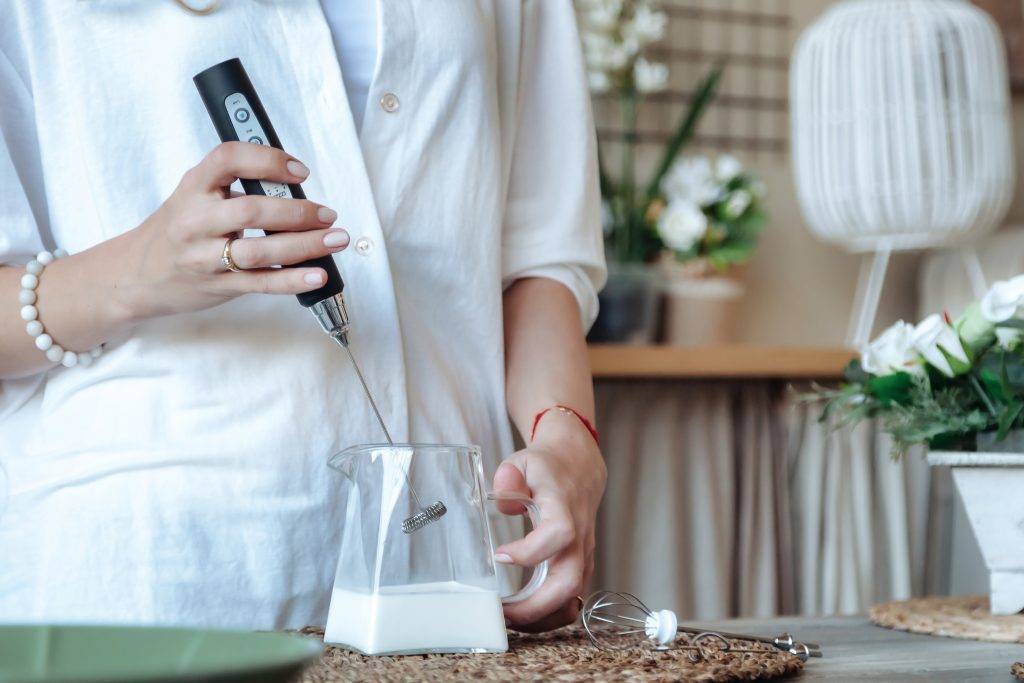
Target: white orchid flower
649,76
646,26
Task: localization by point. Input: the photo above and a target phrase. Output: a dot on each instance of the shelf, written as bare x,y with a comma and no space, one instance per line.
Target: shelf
732,361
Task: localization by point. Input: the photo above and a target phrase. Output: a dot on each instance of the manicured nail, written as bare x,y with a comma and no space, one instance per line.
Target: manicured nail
326,215
297,168
336,238
502,558
313,278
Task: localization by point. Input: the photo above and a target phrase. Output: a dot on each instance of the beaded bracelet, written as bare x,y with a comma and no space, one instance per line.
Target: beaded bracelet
30,314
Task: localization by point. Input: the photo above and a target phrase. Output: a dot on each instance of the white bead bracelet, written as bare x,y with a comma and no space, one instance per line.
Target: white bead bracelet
30,314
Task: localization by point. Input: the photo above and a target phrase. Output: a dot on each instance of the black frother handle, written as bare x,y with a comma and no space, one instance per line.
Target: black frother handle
238,114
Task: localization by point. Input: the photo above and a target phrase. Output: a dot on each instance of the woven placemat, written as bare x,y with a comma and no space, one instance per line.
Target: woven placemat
967,618
1018,670
562,655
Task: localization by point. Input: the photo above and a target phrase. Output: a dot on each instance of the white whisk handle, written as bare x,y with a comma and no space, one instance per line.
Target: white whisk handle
661,626
540,572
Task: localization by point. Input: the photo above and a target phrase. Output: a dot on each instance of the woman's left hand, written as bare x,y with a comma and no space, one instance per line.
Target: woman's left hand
563,471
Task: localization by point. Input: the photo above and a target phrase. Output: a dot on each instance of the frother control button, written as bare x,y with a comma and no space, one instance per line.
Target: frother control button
364,246
389,102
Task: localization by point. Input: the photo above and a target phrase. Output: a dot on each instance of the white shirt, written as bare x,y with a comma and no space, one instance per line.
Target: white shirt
353,26
182,477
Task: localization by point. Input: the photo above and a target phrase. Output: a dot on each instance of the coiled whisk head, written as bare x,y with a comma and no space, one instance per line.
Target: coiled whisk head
431,513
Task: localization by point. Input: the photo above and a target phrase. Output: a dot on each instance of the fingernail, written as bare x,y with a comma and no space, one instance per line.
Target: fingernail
313,278
297,168
326,215
503,558
336,238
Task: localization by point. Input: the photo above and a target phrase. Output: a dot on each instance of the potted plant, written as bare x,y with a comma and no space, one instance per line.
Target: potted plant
708,218
615,35
957,386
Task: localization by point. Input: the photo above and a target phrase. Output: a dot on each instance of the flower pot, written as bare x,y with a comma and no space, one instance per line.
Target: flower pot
702,306
991,485
629,305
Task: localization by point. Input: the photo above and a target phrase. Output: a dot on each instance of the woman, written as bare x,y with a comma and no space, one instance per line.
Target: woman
180,477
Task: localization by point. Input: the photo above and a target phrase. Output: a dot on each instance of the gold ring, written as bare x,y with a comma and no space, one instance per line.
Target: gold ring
225,257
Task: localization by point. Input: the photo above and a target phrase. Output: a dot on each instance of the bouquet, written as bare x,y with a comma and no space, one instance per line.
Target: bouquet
942,382
711,213
615,35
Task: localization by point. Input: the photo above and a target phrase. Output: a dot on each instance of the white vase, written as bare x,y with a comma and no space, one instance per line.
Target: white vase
991,486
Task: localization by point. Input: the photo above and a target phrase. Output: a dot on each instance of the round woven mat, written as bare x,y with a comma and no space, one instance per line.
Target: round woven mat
967,618
563,655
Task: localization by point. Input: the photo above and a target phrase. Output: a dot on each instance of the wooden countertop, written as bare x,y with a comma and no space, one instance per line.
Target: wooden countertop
732,361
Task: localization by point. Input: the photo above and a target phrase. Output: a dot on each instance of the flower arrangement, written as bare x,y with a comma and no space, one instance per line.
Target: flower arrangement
615,34
706,212
942,382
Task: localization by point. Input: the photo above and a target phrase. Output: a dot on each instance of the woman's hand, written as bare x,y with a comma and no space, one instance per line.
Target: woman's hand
172,262
564,472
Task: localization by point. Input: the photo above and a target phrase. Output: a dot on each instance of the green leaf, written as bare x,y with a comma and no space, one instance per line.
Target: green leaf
724,256
894,388
1013,323
993,384
855,373
1008,417
687,126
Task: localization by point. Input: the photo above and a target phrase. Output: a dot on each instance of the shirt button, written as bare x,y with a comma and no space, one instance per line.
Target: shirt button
364,246
389,102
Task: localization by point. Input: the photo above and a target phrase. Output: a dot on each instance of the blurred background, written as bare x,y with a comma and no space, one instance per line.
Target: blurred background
727,496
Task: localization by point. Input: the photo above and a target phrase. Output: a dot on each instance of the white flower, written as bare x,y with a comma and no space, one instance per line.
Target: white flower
1008,337
727,167
737,203
598,82
646,26
649,76
893,351
602,14
937,341
689,179
681,225
1003,299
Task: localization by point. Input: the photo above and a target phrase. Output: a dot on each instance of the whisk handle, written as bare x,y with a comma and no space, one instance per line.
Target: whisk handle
540,572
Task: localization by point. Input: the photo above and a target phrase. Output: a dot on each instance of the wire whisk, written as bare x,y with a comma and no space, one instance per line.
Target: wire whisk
616,621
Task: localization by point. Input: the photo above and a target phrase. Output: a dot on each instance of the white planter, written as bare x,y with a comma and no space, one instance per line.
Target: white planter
991,486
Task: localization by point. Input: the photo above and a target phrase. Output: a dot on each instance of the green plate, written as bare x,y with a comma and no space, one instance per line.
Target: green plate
79,654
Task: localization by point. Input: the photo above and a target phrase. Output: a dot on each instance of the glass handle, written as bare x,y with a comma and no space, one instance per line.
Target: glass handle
540,572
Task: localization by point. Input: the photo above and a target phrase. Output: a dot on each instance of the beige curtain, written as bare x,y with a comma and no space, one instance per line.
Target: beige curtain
728,498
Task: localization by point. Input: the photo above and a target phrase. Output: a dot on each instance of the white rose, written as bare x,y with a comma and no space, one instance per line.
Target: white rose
893,351
649,76
681,225
737,203
727,167
1003,299
598,82
935,339
689,179
646,26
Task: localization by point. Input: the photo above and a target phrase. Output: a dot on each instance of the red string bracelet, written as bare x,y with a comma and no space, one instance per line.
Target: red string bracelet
568,411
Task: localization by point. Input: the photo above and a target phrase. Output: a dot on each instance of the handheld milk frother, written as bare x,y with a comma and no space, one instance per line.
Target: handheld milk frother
238,114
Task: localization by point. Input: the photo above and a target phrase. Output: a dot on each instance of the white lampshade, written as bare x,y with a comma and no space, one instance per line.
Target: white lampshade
901,125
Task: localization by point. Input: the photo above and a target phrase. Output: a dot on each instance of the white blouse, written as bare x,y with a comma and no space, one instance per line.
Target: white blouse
182,478
353,25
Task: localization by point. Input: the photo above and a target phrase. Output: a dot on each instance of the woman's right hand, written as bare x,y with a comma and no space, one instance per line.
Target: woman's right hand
172,262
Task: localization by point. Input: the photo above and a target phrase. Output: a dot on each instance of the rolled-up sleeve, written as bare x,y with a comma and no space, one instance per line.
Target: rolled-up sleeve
552,225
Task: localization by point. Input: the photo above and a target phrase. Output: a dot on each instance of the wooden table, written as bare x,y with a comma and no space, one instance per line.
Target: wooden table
730,361
856,650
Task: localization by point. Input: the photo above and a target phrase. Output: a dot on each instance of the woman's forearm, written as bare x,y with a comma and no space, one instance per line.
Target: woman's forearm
545,352
79,303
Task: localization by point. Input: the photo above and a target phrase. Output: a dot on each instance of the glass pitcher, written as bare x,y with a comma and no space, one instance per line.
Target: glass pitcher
432,590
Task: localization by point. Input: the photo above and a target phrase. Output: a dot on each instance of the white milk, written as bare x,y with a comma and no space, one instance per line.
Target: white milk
442,616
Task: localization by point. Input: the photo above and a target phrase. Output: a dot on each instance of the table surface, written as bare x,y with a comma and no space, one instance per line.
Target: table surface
854,649
730,361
